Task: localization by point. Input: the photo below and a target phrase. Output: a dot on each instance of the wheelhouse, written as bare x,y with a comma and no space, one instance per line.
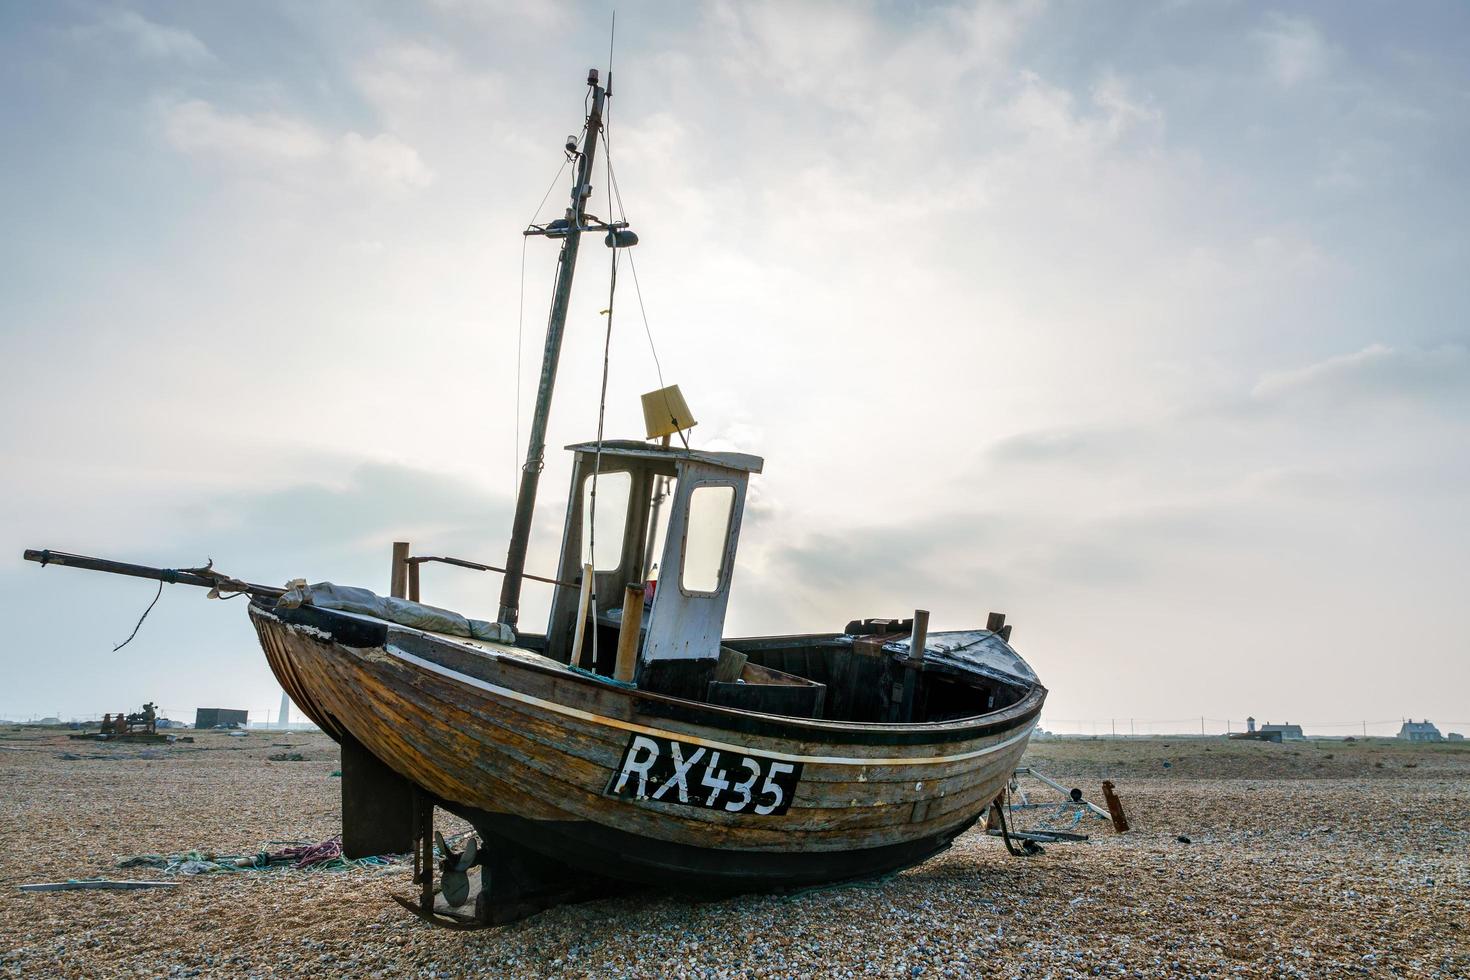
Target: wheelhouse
669,519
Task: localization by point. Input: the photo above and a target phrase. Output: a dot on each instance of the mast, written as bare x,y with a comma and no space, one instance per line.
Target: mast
571,231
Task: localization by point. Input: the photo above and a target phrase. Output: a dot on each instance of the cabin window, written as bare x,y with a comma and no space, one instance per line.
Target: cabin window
612,520
659,528
706,533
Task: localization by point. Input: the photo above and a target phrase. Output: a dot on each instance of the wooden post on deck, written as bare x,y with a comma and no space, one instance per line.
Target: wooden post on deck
583,597
921,634
628,633
413,581
398,582
909,695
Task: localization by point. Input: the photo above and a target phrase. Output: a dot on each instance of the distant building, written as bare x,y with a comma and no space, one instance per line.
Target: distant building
1257,736
1285,730
1250,725
1420,731
210,717
1454,737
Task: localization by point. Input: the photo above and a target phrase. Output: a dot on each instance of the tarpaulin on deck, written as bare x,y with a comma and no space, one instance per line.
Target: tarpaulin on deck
346,598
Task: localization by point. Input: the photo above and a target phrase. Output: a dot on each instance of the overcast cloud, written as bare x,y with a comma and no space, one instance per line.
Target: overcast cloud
1143,323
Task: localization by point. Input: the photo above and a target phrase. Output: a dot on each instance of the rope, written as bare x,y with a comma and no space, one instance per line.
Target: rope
603,678
156,595
300,856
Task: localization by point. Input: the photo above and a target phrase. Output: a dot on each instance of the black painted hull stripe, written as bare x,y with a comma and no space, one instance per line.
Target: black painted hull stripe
361,632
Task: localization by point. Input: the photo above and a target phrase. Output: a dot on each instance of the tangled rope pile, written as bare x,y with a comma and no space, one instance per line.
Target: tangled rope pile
299,856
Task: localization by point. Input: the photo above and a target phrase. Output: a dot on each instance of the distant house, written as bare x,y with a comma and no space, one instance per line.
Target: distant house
1454,737
1286,730
1420,731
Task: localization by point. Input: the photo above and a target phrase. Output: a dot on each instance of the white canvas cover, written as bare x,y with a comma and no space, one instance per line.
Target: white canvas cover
346,598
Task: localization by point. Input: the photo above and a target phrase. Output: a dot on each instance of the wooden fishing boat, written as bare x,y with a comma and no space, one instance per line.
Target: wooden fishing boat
830,756
633,741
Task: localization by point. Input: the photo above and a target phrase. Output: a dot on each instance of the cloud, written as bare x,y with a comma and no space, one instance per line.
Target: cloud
543,15
324,531
1047,445
384,158
1156,363
198,127
272,140
1295,50
1376,374
151,39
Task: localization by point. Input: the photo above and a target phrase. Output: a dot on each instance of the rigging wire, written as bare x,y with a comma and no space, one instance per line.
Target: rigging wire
515,449
612,289
612,179
632,263
616,192
515,446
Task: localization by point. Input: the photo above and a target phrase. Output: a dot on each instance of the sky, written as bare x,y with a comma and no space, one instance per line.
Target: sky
1143,323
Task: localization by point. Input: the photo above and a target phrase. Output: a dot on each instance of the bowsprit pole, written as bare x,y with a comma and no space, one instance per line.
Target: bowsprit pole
570,231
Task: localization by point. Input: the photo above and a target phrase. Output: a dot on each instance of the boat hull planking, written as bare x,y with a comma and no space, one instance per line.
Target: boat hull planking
634,785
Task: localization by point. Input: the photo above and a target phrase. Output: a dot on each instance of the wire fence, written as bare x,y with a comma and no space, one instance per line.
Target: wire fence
1205,725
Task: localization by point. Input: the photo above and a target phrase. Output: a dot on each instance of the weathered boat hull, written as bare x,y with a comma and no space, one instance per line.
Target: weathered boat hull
533,752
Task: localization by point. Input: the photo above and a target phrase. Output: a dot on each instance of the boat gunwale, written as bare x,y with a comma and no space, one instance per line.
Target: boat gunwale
666,707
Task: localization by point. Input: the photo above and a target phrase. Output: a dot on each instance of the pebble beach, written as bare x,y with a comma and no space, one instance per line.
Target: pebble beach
1320,858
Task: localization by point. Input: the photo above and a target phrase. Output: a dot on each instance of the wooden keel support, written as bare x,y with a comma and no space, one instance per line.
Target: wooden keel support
377,804
628,634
